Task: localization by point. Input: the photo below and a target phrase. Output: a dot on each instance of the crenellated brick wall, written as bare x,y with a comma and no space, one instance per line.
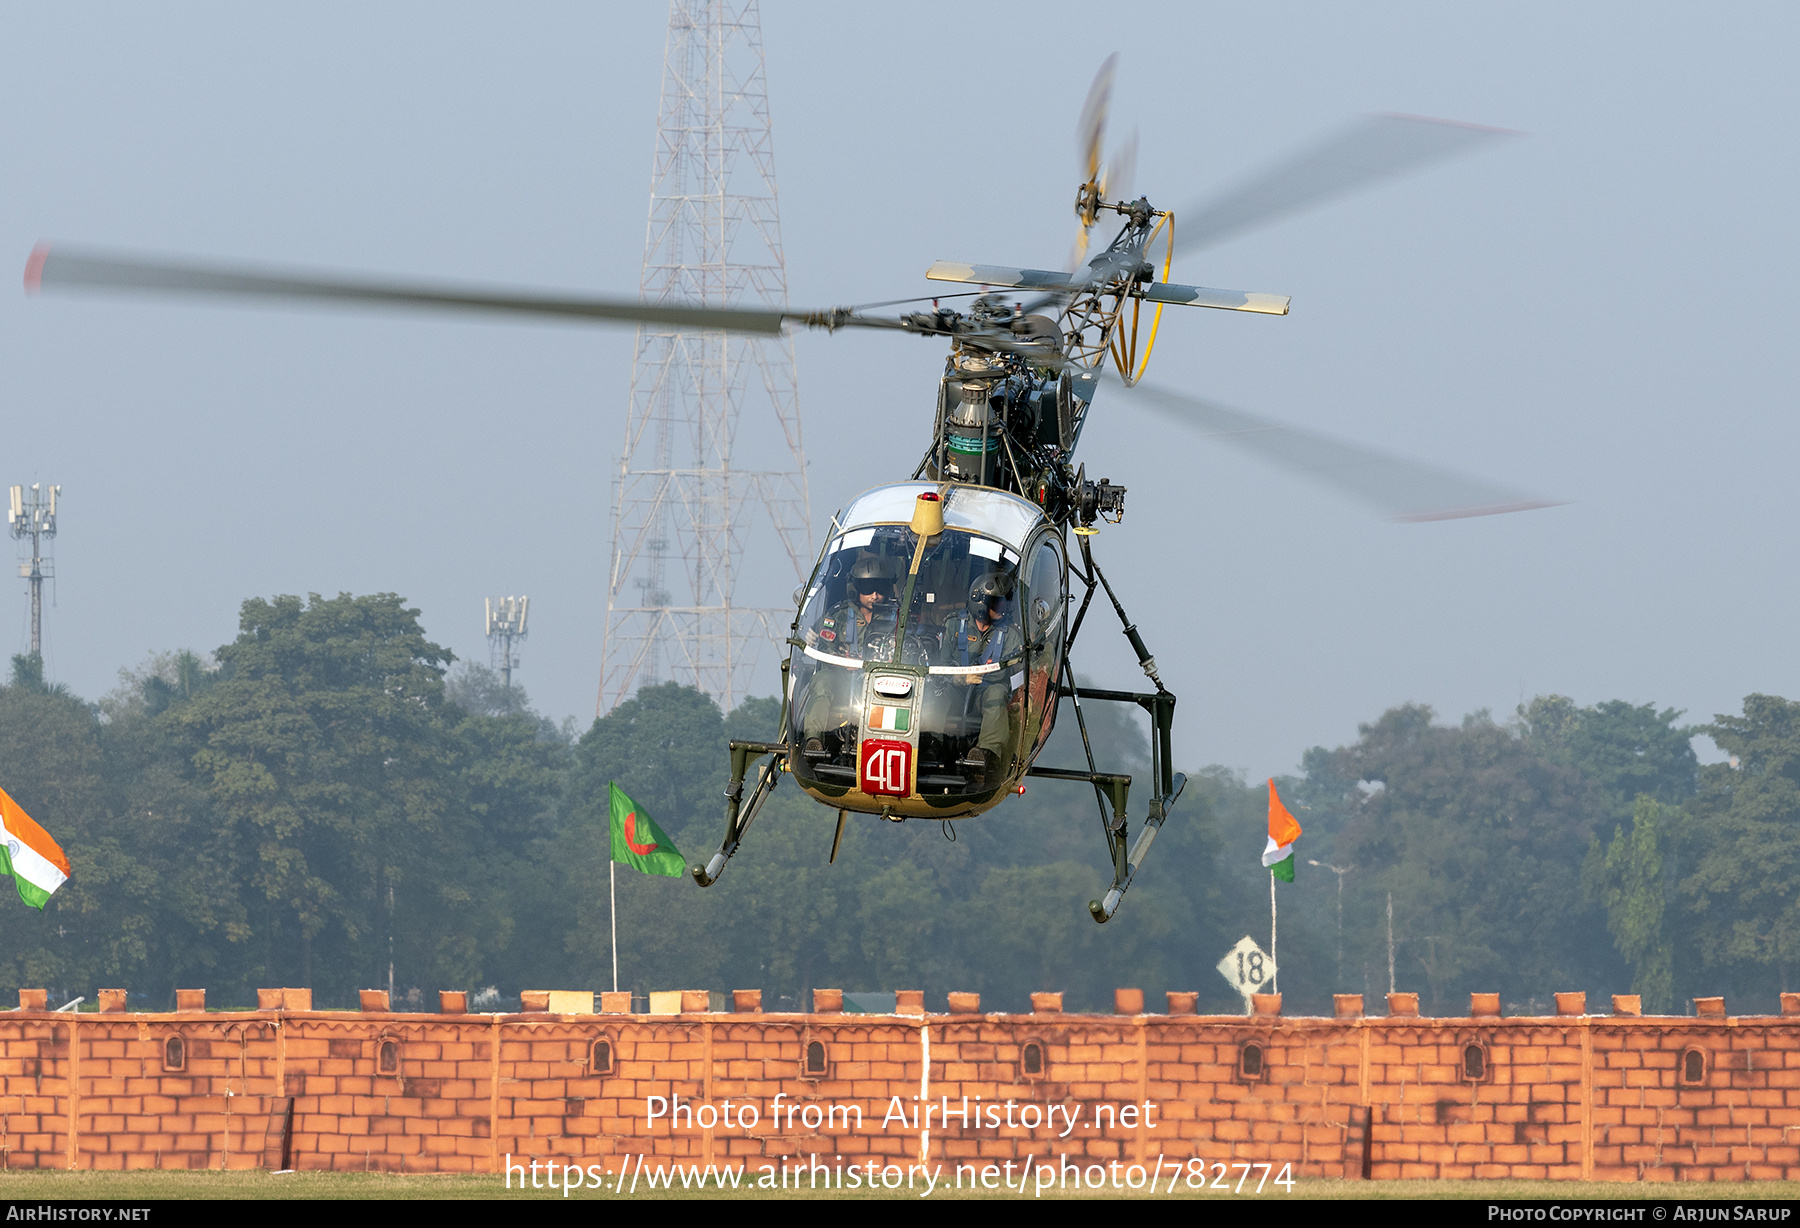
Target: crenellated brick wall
1609,1097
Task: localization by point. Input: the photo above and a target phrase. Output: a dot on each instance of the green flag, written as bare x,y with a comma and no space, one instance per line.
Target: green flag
638,841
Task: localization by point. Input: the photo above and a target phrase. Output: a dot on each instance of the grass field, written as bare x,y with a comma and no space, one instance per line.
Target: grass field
117,1186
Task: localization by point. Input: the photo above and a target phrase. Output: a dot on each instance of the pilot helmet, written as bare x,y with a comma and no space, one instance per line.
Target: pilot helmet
873,574
992,590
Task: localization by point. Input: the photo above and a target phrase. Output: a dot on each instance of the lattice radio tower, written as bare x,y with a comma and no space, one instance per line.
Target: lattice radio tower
682,511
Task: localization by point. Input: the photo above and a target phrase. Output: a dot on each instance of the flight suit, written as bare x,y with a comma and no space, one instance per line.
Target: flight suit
830,698
965,643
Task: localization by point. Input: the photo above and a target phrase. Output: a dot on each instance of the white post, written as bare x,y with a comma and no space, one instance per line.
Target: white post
1275,980
612,876
1391,942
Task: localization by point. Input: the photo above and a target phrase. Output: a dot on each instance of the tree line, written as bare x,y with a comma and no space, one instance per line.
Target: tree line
330,801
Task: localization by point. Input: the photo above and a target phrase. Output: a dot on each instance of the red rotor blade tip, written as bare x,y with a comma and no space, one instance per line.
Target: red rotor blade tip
34,268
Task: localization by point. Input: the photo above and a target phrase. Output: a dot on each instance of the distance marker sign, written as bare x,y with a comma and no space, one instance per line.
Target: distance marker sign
1248,968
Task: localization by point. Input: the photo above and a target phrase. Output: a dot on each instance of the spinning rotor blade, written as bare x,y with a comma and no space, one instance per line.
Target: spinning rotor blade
1370,149
64,268
1121,170
1091,129
1399,489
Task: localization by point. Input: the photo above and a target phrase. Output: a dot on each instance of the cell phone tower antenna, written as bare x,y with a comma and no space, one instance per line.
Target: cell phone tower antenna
31,514
505,623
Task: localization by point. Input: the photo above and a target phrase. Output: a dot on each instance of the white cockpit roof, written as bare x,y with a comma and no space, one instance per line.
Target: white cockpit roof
980,509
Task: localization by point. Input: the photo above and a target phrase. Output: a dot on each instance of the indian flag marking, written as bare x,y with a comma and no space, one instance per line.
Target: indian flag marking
891,720
35,861
1284,830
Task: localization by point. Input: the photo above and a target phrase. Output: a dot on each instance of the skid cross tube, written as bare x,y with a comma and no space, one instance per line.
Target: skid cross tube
1107,787
738,814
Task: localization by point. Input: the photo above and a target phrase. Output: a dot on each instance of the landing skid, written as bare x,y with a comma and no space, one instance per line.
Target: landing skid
1115,791
739,814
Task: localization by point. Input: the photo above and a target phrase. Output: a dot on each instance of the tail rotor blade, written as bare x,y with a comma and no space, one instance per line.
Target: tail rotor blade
1090,131
1369,150
1397,488
1121,170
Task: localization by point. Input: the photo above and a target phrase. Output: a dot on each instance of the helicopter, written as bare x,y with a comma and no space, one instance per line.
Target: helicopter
929,653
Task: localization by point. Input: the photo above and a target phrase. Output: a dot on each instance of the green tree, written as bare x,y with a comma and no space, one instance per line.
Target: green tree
1626,751
665,747
324,750
1632,887
1631,755
1744,891
1480,840
28,675
54,769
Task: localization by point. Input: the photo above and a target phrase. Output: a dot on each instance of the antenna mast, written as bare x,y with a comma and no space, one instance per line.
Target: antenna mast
505,627
31,512
682,512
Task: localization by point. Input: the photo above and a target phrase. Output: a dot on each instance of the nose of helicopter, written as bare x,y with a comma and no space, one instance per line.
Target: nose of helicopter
887,753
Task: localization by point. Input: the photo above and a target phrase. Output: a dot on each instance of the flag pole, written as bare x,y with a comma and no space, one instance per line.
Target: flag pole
612,881
1274,980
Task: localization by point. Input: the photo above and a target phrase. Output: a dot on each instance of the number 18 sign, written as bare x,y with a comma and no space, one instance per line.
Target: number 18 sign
1247,968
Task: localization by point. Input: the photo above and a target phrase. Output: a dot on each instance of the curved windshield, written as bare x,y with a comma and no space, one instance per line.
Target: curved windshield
853,611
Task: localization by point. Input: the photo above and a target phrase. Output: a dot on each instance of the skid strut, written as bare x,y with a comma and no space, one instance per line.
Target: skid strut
1165,781
739,814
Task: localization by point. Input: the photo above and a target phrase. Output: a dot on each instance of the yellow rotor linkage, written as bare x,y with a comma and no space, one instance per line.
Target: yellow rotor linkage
1124,352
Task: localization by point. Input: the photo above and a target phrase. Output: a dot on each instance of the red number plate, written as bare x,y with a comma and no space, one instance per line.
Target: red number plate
885,767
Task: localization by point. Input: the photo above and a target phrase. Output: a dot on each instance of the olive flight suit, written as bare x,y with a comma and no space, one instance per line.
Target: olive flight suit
965,643
840,633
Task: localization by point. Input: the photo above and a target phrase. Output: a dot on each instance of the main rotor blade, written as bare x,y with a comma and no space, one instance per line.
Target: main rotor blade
1399,489
1224,300
72,269
1368,150
1001,275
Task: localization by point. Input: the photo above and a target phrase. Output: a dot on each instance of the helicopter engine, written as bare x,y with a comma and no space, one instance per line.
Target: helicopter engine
970,403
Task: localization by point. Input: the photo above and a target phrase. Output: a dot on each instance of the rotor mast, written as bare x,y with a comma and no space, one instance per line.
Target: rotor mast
682,509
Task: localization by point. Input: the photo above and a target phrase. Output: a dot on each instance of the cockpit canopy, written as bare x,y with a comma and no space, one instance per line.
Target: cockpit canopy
993,513
985,532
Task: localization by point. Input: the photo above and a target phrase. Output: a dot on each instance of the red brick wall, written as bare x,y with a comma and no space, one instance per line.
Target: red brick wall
1563,1098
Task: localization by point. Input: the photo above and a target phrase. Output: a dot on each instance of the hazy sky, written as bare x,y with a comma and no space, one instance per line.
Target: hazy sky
1602,312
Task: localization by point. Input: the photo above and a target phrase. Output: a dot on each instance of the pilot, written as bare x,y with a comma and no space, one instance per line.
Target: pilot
986,633
854,627
867,612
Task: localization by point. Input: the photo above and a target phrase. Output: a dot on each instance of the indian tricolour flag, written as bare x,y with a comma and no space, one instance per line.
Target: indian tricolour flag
35,861
1283,831
890,720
